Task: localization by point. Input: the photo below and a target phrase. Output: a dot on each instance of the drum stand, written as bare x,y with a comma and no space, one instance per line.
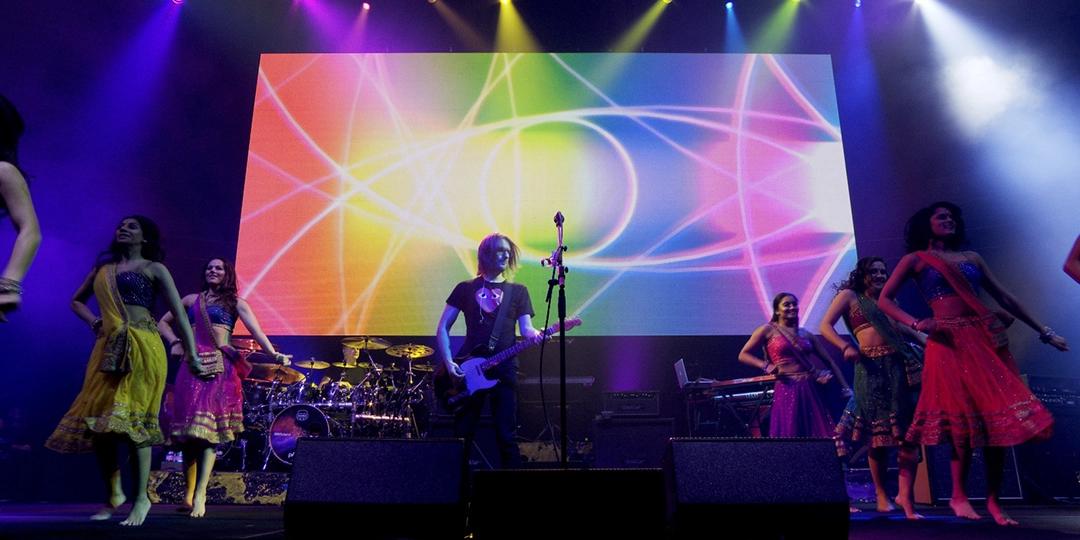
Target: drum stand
413,394
242,443
268,447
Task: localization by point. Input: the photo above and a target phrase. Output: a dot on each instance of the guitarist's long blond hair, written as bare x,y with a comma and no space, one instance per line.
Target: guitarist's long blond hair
487,249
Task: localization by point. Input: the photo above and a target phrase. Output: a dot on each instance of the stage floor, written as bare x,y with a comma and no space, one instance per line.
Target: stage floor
68,521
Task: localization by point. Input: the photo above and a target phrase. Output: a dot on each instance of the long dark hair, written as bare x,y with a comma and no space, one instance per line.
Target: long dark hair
11,129
487,249
856,280
917,232
151,249
227,290
776,304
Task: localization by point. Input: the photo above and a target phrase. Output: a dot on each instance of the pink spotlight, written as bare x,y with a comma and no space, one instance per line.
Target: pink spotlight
367,6
178,2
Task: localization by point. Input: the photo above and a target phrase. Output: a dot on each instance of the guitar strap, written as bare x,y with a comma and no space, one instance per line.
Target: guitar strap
500,318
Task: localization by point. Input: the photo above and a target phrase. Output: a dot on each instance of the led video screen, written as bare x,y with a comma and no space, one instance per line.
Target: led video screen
695,187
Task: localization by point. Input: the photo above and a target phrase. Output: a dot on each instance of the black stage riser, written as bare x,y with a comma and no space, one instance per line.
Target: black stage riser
575,503
771,488
376,488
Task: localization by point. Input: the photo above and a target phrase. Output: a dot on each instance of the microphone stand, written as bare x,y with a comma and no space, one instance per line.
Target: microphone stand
558,273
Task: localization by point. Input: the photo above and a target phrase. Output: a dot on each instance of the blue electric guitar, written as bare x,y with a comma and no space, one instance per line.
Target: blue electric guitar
454,392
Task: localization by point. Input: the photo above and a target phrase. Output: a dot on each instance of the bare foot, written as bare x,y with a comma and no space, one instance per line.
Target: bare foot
884,505
107,511
184,506
198,507
909,508
999,515
138,512
963,509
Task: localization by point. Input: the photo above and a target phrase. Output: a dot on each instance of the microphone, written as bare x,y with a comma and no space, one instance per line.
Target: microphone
556,256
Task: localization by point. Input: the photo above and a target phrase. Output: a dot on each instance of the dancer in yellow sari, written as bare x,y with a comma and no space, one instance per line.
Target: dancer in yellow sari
125,378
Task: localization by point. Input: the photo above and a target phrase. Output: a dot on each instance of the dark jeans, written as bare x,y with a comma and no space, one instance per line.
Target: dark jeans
504,415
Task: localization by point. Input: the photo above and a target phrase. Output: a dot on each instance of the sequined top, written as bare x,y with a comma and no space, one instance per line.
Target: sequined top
782,353
219,315
135,288
934,285
857,319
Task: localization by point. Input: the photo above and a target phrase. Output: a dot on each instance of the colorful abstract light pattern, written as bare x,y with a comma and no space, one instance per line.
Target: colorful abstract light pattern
695,186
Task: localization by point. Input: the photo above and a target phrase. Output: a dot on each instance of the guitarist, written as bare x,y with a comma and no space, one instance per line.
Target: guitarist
491,306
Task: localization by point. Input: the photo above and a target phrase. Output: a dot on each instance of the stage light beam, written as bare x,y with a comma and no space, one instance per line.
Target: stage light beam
733,37
632,39
465,32
981,77
512,34
777,29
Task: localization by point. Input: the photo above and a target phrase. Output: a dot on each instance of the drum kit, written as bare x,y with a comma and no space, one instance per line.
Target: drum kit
371,397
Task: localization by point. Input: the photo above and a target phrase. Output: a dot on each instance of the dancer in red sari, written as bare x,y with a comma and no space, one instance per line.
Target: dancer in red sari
972,395
1072,262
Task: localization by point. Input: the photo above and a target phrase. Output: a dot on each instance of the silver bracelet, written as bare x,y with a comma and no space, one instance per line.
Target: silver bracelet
8,285
1047,334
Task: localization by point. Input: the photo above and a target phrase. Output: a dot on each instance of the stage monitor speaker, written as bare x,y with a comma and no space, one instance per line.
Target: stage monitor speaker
771,488
939,474
379,488
1051,469
568,503
631,442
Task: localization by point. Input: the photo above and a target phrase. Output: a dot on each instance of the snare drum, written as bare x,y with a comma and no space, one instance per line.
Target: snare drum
292,423
257,393
337,395
296,393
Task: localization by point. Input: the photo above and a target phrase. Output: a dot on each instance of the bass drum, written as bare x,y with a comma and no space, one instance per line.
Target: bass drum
292,423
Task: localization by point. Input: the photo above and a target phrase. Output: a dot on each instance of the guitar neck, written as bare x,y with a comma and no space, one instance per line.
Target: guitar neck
526,343
515,349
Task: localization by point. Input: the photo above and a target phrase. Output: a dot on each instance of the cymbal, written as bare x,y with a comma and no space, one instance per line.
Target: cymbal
383,368
340,384
259,357
312,364
245,344
274,372
410,350
423,368
365,342
351,365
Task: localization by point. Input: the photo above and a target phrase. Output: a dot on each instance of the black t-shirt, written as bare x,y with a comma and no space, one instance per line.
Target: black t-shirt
480,323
